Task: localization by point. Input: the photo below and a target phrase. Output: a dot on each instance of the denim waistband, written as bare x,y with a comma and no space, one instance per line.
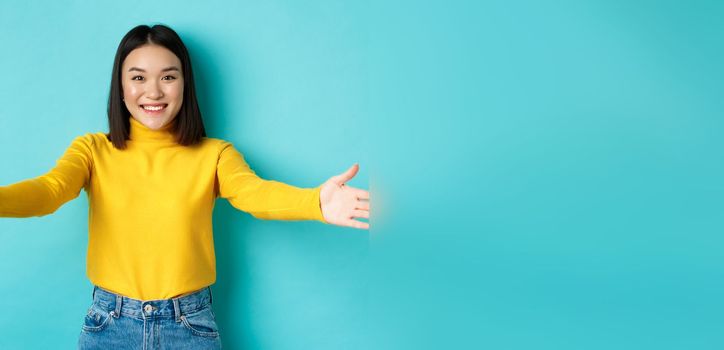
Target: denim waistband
175,307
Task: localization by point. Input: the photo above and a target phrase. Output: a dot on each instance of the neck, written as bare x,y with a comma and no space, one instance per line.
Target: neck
140,132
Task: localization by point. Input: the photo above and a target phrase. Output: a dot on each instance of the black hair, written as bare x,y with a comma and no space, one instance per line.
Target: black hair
188,126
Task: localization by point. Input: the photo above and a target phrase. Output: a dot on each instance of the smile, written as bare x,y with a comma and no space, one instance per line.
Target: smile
154,109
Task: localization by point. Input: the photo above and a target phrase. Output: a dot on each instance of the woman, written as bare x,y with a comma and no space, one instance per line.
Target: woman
152,182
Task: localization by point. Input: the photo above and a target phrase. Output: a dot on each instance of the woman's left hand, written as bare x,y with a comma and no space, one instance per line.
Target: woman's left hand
341,203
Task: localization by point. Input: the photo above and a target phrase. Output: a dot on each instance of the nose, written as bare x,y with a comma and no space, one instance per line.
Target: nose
153,91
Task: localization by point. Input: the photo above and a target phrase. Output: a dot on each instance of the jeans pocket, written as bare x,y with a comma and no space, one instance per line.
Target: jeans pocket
96,319
201,322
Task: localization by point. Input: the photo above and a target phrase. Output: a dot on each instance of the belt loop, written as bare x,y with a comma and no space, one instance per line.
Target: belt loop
211,297
176,310
93,296
119,303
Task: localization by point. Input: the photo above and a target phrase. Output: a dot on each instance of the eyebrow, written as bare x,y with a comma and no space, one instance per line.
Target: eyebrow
162,70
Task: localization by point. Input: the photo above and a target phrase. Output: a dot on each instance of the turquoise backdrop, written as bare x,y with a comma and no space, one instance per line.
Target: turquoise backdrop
544,175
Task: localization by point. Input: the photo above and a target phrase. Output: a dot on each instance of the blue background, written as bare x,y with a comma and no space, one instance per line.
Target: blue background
544,176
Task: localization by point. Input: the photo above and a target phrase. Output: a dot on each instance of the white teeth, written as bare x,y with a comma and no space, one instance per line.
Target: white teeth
153,108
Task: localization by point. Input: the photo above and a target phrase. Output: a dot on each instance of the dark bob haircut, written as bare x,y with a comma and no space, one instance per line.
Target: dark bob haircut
188,126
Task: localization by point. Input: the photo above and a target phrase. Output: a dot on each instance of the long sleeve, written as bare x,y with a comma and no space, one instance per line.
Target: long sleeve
45,194
264,199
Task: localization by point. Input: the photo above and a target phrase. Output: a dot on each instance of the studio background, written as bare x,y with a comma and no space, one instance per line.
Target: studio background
543,176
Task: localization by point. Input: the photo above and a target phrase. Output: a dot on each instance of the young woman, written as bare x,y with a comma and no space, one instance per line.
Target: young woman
151,183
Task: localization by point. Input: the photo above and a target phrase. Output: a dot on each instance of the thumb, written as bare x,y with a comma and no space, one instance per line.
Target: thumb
346,176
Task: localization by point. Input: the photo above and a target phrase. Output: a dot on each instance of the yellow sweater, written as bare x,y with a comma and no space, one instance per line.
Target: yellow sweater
150,232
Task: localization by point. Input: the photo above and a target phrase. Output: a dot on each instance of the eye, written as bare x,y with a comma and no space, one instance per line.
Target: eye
169,76
137,76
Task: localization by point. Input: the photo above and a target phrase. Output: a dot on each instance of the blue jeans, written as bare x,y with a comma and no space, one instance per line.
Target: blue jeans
118,322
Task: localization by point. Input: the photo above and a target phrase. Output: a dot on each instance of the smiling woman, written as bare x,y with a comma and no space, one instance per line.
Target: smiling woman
152,182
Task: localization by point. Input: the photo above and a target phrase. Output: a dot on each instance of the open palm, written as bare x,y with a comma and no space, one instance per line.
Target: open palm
341,204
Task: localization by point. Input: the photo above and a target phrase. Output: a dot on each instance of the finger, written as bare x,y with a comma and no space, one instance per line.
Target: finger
363,205
357,224
361,214
346,176
361,194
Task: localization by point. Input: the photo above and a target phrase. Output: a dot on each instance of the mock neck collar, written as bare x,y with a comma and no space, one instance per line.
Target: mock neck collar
140,132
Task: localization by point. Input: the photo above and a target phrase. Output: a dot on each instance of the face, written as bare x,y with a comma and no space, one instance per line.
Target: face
153,85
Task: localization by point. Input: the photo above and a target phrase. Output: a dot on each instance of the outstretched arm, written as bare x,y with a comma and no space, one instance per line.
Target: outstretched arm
264,199
45,194
333,202
341,204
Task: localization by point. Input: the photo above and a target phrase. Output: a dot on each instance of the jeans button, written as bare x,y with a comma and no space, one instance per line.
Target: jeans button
148,308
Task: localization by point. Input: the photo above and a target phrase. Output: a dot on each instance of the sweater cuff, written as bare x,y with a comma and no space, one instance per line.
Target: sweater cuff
317,210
